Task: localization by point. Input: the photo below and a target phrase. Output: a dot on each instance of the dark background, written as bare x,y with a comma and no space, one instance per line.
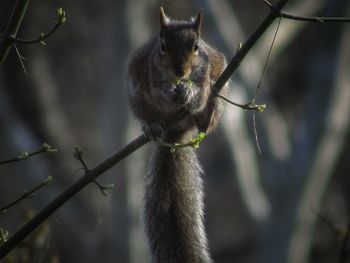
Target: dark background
290,204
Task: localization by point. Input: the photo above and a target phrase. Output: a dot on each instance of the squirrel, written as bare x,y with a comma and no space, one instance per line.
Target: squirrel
175,69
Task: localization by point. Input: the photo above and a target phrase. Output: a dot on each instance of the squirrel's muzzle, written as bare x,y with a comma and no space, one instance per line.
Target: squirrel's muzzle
179,72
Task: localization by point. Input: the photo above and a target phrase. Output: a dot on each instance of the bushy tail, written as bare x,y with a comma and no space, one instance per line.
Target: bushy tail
174,207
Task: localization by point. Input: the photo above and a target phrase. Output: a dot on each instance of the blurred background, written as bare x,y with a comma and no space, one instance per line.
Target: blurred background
289,204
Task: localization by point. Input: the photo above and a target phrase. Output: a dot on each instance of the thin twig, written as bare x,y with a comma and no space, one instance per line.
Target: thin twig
173,145
46,148
315,18
104,187
134,145
69,193
26,195
78,154
12,28
61,19
328,222
259,85
267,60
336,230
318,19
9,38
242,52
248,106
256,134
21,58
193,142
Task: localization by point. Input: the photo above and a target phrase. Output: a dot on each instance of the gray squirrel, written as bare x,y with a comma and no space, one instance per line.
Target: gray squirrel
175,69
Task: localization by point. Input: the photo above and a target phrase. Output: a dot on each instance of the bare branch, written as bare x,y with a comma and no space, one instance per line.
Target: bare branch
193,142
20,58
104,187
248,106
61,19
46,148
10,36
318,19
12,28
315,18
26,195
78,154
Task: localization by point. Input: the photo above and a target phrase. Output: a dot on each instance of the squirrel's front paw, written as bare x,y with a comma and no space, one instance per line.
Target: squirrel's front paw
154,130
183,93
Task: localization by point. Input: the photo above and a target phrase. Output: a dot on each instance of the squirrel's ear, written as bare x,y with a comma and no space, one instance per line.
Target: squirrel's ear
197,23
163,19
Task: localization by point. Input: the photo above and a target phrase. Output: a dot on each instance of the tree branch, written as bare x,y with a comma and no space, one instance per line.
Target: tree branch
318,19
193,142
46,148
27,194
61,19
12,28
70,192
10,36
78,154
137,143
248,106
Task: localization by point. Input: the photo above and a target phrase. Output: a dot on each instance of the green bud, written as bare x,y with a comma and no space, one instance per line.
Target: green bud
48,180
198,139
261,107
190,83
3,235
48,148
61,14
23,156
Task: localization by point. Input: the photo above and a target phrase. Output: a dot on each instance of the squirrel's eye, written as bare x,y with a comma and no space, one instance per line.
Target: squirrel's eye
162,47
195,47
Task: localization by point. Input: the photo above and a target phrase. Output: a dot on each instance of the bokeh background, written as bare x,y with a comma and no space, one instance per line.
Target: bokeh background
289,204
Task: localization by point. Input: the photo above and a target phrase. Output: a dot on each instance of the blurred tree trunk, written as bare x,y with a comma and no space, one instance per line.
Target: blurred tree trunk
330,146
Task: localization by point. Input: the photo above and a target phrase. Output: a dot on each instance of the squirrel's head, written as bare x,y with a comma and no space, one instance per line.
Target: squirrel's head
178,46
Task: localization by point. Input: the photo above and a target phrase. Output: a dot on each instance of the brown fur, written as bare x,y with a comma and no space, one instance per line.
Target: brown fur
159,74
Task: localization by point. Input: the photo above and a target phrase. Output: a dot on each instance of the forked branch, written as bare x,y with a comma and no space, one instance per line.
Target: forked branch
318,19
12,28
9,37
61,19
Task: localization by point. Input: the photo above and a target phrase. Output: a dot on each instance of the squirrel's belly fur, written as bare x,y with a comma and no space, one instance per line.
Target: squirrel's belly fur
174,207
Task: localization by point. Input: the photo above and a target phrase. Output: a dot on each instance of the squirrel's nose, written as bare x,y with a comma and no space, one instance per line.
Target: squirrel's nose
179,72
